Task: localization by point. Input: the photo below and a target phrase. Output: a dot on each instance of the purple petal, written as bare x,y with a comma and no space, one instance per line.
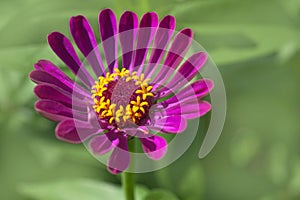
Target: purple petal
179,48
169,124
75,132
84,37
120,158
196,90
147,28
93,118
154,146
175,55
189,109
56,111
139,132
161,41
47,72
127,33
186,72
103,144
63,48
191,67
200,88
51,92
108,33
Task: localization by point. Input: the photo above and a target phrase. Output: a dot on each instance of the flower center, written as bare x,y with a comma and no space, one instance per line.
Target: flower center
122,98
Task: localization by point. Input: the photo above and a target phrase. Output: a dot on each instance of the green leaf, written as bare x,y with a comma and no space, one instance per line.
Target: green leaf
159,194
81,189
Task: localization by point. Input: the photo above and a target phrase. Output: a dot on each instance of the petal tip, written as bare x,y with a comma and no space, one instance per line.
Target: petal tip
107,12
64,131
187,31
168,22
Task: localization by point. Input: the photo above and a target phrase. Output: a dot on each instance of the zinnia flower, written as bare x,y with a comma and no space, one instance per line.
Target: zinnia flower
147,94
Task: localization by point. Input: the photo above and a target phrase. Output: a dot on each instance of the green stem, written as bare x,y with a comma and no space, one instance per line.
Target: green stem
128,178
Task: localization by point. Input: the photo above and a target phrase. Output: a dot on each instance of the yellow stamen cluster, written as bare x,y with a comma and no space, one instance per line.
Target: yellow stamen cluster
134,110
145,91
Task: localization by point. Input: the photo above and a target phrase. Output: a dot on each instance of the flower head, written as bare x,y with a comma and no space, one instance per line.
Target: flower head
111,103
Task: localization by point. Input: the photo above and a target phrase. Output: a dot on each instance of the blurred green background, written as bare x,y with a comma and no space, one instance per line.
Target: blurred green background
256,47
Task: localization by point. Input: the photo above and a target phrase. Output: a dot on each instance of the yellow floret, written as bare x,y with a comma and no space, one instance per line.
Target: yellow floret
134,110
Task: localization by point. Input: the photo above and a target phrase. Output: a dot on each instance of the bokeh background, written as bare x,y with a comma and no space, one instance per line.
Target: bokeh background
255,45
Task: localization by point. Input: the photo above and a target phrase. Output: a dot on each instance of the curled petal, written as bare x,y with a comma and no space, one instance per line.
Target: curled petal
51,92
103,144
56,111
75,131
46,72
120,158
154,146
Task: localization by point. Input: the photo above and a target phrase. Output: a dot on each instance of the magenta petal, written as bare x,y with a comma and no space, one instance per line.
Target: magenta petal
147,28
169,124
47,72
43,77
84,37
196,90
103,144
120,158
44,91
186,72
139,132
154,146
75,132
175,55
199,88
179,48
127,33
192,66
56,111
168,22
161,40
189,109
64,49
51,92
108,33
